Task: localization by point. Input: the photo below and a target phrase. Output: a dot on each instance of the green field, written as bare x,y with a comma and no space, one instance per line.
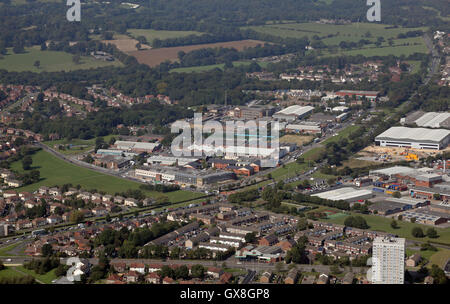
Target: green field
333,35
380,223
9,272
150,35
381,51
46,278
55,171
440,258
423,253
50,61
347,32
221,66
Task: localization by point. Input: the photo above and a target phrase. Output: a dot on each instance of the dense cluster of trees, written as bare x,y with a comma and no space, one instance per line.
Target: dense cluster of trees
42,266
297,254
129,242
103,122
356,222
243,196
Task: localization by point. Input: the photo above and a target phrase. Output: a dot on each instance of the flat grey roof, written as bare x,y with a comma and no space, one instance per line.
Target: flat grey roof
414,134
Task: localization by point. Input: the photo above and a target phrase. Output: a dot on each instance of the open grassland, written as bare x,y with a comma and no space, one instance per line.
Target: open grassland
333,34
204,68
151,35
381,51
50,61
155,57
440,258
380,223
46,278
9,272
55,171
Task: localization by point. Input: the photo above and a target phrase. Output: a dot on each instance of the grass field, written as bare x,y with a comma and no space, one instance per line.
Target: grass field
427,254
203,68
440,258
333,35
347,32
9,272
151,35
46,278
380,223
382,51
50,61
55,171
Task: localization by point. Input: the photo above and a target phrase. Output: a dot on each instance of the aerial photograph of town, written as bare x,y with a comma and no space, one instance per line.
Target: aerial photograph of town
241,144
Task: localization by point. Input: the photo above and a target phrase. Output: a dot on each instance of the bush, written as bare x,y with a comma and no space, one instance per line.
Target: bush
417,232
432,233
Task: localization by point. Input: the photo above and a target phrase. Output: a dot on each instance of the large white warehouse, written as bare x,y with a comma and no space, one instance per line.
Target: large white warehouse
417,138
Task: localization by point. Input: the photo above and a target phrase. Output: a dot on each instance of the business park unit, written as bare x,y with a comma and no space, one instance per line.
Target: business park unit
392,205
345,194
416,138
428,120
292,113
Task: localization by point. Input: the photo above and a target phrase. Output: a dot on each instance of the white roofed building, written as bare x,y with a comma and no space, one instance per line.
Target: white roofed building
417,138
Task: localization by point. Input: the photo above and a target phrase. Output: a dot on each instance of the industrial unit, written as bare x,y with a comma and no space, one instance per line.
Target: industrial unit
417,138
292,113
345,194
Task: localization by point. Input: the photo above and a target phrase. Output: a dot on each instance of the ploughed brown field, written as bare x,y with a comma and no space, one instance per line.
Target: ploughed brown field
155,57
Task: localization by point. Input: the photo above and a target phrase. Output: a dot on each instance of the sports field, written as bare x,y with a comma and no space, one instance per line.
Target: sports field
50,61
151,35
56,172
